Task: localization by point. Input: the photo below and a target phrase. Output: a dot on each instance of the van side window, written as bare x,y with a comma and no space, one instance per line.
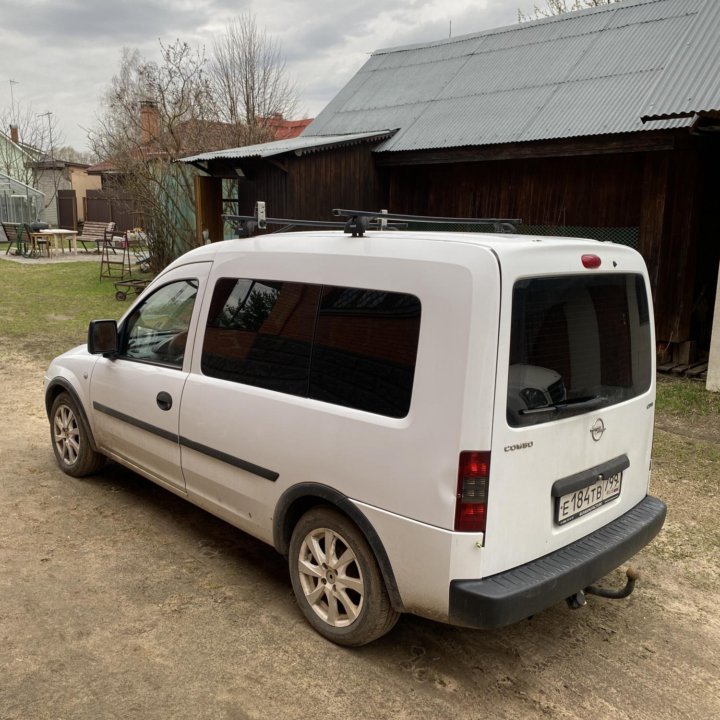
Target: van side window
157,330
259,333
347,346
364,350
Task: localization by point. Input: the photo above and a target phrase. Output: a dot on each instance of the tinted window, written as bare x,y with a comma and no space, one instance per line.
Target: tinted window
157,330
364,350
346,346
578,343
259,333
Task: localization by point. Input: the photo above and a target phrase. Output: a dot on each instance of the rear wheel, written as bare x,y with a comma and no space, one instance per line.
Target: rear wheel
336,580
70,440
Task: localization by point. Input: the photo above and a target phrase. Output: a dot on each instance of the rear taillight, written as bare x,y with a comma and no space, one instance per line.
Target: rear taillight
472,491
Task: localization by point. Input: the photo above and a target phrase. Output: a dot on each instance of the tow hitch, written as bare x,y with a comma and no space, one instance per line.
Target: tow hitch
578,599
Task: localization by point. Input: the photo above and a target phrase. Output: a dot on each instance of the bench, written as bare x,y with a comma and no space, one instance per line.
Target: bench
96,235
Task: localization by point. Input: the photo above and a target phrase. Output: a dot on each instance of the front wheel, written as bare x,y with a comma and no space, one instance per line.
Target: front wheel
70,440
336,580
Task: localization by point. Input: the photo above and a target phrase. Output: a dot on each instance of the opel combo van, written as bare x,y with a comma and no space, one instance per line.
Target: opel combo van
455,425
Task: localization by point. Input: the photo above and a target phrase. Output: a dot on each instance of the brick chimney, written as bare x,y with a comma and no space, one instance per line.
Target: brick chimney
14,136
149,121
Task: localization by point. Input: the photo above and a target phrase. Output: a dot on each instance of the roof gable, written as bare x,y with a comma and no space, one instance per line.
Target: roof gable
579,74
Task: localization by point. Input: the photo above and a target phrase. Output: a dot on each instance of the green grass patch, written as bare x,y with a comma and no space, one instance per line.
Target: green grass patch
48,307
683,397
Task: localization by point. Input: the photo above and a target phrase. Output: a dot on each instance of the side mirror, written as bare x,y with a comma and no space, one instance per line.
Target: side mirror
102,337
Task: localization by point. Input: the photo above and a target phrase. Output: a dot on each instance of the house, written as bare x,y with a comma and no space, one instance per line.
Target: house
64,185
579,124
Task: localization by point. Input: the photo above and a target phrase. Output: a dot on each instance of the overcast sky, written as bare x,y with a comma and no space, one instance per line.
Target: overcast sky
63,53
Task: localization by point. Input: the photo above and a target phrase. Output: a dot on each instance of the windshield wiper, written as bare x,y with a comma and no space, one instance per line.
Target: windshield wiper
581,403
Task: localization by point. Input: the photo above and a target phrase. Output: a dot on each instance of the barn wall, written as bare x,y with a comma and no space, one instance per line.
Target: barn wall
593,191
308,187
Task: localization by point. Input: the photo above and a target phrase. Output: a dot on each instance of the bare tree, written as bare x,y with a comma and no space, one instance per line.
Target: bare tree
250,80
34,133
558,7
153,114
69,154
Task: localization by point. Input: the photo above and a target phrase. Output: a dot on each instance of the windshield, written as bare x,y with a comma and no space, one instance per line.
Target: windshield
577,343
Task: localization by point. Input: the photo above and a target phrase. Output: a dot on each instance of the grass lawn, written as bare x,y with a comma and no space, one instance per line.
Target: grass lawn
46,308
680,397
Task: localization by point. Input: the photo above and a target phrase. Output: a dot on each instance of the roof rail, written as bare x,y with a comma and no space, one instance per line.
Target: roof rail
358,220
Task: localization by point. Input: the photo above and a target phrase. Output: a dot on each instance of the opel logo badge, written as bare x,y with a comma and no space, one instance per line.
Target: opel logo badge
597,429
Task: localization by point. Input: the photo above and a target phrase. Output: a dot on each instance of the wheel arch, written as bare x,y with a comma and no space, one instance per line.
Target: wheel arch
60,385
297,500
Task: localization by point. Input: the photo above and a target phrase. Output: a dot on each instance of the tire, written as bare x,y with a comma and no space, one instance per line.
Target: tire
120,295
70,439
336,579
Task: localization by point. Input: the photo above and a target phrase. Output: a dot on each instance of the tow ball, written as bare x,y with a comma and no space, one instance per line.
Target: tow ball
578,599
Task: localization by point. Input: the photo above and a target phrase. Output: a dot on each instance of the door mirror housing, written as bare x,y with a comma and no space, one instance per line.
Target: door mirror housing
102,337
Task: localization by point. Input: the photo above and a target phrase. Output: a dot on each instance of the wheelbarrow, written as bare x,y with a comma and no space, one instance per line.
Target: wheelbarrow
123,288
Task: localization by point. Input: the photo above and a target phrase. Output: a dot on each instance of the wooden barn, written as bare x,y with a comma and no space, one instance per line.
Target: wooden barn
602,123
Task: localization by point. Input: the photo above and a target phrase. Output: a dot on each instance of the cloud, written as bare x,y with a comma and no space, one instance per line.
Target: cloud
65,52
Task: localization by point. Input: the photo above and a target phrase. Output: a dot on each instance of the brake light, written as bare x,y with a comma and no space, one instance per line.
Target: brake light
472,491
591,261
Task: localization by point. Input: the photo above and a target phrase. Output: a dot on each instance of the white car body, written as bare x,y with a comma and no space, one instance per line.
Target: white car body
249,454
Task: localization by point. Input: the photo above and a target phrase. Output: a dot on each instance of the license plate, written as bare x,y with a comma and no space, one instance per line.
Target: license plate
574,504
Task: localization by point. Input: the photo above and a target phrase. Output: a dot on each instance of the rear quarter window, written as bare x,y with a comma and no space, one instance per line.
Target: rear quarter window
353,347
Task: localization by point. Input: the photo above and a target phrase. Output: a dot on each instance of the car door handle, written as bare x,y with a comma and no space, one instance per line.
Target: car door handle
164,401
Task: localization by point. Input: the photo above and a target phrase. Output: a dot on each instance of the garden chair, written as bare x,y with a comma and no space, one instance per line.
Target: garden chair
14,233
38,241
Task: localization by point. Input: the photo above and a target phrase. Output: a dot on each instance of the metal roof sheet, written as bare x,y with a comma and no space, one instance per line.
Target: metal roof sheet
578,74
298,145
690,84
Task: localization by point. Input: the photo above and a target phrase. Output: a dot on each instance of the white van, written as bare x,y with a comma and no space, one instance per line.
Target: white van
456,425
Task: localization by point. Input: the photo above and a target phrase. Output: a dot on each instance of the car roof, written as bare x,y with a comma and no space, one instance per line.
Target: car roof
396,243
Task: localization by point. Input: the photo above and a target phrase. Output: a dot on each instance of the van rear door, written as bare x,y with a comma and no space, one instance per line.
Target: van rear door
574,403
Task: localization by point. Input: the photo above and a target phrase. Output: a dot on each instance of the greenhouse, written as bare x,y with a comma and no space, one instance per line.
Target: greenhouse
19,203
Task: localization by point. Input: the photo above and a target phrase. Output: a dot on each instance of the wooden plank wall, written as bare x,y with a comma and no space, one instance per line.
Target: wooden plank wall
653,190
310,186
590,190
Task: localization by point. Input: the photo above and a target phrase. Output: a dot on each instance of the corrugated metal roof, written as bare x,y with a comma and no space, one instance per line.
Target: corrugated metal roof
690,84
578,74
298,145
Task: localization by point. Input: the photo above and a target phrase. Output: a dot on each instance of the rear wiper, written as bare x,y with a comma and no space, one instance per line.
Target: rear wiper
581,403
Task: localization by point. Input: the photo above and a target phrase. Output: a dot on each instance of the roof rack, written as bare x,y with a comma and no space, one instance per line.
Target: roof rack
246,225
358,221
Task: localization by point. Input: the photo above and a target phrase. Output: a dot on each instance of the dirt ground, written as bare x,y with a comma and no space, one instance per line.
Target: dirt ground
120,600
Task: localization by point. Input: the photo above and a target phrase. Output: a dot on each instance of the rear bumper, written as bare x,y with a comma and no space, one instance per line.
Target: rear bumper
523,591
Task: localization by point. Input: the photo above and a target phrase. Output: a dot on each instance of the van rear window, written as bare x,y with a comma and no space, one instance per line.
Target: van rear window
577,343
347,346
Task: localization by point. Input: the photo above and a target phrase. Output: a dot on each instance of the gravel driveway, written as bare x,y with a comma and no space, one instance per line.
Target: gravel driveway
120,600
